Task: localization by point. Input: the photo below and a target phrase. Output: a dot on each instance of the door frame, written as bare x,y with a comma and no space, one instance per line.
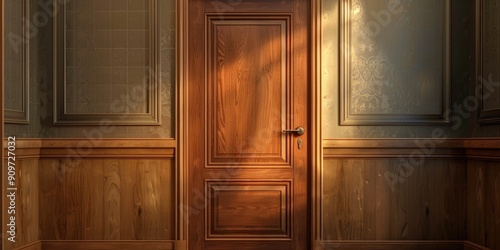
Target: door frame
316,147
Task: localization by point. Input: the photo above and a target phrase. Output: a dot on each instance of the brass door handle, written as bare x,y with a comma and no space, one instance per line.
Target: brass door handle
297,131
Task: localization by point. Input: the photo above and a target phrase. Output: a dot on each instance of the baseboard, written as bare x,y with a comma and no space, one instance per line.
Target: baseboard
398,245
31,246
180,245
111,245
473,246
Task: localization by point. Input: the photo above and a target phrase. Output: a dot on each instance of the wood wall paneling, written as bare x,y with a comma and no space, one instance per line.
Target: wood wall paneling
483,206
27,205
76,195
361,204
107,199
96,199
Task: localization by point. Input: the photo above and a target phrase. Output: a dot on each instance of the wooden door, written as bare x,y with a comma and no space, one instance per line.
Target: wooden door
248,80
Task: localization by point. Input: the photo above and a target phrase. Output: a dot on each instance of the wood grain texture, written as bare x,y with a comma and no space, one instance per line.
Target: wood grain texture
360,203
250,209
248,77
27,205
472,148
222,7
107,148
252,85
483,206
32,246
107,199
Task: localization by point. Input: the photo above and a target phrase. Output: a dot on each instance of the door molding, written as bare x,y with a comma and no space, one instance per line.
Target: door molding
316,125
181,55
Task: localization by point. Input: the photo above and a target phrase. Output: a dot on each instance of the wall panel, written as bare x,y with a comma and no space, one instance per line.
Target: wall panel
394,62
488,63
17,70
361,202
107,199
385,192
106,61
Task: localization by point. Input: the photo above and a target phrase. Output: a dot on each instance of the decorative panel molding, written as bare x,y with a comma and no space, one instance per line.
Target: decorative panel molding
95,148
395,62
488,60
17,55
106,63
428,148
248,209
248,98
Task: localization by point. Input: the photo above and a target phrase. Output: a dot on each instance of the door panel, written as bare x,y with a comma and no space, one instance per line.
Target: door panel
248,81
262,209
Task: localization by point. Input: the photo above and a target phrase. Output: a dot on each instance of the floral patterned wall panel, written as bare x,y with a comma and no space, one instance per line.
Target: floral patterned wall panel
394,62
390,77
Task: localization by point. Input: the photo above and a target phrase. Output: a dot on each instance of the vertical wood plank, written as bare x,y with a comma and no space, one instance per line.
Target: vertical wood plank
128,207
460,184
167,201
334,204
369,196
489,206
496,172
437,213
29,201
151,199
93,199
475,201
355,197
419,203
383,194
112,200
52,216
341,208
73,199
399,206
21,195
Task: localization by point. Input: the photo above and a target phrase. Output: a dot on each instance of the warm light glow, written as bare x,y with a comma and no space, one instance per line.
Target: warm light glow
356,10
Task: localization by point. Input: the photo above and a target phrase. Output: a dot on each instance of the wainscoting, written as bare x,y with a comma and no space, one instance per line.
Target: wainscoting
95,194
121,194
402,193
